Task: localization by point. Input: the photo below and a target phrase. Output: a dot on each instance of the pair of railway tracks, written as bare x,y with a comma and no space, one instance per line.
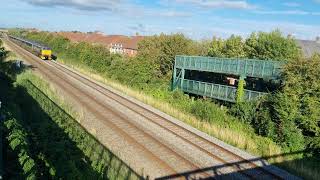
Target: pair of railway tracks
230,164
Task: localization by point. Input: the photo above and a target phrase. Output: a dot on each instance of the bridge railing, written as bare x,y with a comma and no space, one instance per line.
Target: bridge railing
246,67
216,91
243,68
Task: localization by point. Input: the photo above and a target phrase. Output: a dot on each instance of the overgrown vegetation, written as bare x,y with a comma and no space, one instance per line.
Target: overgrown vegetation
287,121
44,141
261,45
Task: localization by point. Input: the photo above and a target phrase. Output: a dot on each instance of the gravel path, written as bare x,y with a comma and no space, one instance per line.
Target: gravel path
147,139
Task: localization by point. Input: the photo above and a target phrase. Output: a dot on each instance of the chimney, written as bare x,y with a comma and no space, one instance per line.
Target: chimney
318,39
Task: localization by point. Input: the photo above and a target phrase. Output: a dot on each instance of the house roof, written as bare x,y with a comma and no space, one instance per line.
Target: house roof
132,42
107,40
309,47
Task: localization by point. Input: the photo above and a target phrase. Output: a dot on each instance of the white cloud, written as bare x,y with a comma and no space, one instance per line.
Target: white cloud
121,6
227,4
291,4
288,12
90,5
301,31
138,28
173,14
224,27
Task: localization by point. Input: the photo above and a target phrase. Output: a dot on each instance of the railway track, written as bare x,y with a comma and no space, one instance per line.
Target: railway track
224,156
127,129
156,148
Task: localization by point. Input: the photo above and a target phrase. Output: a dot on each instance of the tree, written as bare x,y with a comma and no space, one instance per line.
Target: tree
161,50
234,47
302,85
216,48
3,52
271,46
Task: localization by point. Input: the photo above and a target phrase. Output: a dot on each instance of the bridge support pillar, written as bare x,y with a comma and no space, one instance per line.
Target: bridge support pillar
182,77
174,78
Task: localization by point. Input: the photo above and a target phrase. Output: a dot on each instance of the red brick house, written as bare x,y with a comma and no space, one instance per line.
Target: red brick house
115,43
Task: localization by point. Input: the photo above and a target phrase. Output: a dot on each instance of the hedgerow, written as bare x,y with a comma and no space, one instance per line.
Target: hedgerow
18,142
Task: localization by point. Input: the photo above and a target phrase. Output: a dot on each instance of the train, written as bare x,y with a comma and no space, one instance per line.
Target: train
42,51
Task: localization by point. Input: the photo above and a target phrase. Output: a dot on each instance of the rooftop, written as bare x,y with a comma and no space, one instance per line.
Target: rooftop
309,47
128,42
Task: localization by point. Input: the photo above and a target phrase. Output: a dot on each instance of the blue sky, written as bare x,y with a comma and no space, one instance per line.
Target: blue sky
195,18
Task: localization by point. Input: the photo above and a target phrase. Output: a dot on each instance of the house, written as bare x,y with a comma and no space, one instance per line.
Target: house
309,47
117,44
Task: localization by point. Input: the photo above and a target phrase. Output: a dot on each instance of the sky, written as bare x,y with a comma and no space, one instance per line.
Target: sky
197,19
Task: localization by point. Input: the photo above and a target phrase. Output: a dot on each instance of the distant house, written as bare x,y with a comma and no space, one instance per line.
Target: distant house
309,47
116,48
117,44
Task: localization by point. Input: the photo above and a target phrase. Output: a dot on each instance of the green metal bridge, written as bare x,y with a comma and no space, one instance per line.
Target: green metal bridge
243,68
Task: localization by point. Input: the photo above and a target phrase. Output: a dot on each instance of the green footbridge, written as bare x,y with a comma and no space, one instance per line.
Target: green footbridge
241,68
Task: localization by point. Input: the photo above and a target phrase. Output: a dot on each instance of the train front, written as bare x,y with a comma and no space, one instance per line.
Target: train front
46,53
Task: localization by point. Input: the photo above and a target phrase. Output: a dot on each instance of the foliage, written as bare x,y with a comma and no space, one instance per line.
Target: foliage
18,142
271,46
232,47
265,46
302,89
288,134
216,48
161,50
3,53
240,90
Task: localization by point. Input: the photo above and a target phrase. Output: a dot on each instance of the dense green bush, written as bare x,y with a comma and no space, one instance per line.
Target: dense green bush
302,92
160,51
232,47
18,142
3,52
266,46
271,46
290,116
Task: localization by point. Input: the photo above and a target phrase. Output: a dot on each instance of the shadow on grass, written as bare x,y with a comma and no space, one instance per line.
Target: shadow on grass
50,144
252,173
